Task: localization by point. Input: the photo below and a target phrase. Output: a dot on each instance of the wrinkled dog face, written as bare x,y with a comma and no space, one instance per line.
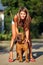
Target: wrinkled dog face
20,38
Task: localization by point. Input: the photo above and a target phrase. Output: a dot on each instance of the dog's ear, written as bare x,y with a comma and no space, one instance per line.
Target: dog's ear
19,39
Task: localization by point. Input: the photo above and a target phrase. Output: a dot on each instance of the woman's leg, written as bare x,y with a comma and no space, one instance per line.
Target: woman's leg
11,49
30,52
30,49
12,40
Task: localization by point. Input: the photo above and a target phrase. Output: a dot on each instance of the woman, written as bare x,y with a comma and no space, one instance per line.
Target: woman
21,19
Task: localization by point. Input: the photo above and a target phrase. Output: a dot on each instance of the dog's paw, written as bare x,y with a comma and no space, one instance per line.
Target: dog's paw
27,60
17,58
20,60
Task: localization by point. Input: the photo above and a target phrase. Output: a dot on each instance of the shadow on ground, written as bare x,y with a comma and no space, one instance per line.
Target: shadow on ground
37,46
3,49
36,54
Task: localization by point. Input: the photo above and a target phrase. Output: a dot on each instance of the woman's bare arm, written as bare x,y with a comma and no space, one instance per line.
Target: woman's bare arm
14,30
27,33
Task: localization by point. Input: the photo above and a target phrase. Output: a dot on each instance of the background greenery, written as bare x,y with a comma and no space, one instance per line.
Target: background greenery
35,8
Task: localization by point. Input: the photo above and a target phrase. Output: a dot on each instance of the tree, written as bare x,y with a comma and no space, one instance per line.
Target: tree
35,8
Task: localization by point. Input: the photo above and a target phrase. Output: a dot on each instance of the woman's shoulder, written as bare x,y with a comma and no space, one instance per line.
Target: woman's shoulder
15,19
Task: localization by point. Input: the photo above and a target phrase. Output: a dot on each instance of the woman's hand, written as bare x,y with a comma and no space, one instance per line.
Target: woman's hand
27,40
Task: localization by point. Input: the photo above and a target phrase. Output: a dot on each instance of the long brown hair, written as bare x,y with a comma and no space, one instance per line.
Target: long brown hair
27,20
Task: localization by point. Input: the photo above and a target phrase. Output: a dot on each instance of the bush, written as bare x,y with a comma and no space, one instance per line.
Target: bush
34,28
7,24
5,36
34,31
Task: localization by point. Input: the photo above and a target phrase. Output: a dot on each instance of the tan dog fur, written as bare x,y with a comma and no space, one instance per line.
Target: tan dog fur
20,47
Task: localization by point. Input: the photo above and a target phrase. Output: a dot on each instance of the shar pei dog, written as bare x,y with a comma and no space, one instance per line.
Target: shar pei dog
21,47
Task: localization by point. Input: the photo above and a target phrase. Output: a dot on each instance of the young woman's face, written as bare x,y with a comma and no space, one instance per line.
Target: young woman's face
22,15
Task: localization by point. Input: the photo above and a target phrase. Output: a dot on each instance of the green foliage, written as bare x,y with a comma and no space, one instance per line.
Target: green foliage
36,27
7,23
35,8
5,36
35,31
20,29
